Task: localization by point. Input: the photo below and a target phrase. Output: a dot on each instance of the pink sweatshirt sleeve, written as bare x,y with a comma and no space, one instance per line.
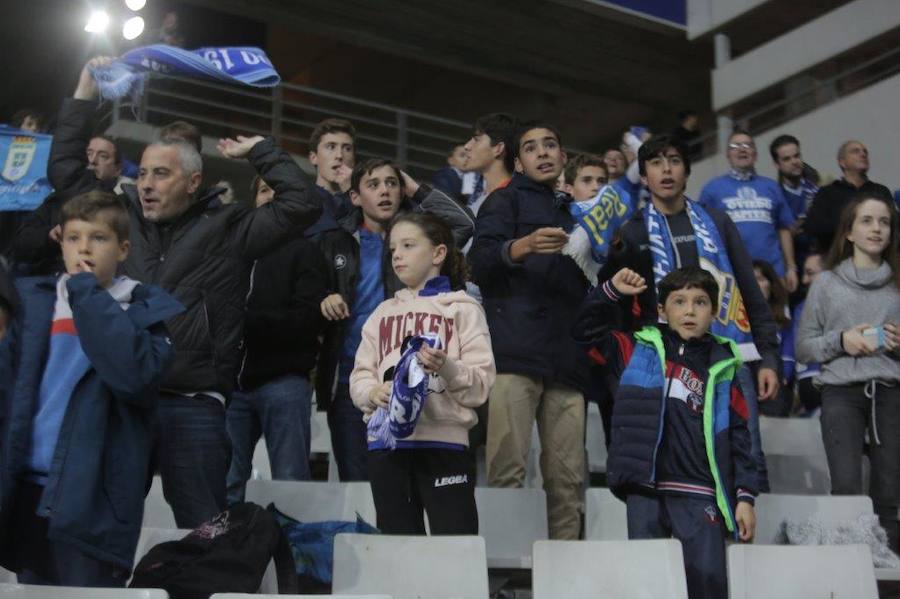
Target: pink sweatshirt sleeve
470,377
364,377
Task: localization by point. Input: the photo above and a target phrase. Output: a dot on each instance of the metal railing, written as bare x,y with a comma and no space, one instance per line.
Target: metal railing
809,98
417,141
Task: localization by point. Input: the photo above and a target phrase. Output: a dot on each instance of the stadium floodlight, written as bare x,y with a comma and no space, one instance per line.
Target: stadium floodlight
97,22
132,28
135,5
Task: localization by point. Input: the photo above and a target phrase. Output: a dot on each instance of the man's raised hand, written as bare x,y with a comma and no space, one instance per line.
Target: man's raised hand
87,87
237,148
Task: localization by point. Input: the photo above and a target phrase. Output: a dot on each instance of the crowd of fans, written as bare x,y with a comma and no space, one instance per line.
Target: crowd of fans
150,326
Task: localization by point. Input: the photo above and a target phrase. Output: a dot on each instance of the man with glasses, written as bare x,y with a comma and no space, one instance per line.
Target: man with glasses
757,206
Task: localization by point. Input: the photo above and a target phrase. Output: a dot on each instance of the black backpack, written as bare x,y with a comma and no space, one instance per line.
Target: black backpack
228,554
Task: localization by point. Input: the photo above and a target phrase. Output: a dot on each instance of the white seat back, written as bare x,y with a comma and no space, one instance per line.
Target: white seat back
604,516
787,572
772,510
157,513
408,567
795,455
315,501
595,439
28,591
609,569
510,521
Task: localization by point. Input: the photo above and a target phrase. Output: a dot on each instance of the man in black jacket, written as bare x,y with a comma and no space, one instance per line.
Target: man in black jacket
825,211
201,252
280,348
665,167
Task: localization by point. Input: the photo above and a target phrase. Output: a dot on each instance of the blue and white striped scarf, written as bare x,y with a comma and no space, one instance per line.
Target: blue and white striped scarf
732,320
240,65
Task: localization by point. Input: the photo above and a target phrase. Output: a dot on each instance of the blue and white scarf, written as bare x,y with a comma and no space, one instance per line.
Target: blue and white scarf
241,65
732,320
598,220
408,394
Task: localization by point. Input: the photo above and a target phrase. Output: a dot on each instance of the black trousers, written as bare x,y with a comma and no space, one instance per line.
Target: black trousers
407,483
847,412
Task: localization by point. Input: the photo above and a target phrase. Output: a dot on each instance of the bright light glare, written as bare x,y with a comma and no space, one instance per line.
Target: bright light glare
97,22
133,27
135,5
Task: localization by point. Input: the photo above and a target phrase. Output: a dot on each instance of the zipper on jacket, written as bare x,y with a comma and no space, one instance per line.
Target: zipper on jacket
662,414
243,340
712,381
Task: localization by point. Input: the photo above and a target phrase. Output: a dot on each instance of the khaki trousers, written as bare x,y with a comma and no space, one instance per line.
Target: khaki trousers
515,401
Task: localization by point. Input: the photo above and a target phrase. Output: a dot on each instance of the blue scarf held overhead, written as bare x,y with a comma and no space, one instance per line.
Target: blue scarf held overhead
731,321
240,65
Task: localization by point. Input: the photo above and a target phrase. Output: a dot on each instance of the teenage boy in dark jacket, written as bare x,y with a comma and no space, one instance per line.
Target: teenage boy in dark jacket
361,278
680,449
85,356
687,234
280,345
531,292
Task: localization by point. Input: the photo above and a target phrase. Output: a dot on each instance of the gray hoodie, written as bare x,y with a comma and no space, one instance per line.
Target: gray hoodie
840,299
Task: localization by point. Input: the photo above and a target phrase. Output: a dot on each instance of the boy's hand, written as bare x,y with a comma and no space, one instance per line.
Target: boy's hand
547,240
432,359
380,396
230,148
85,266
767,384
628,282
87,87
410,187
746,521
344,173
334,307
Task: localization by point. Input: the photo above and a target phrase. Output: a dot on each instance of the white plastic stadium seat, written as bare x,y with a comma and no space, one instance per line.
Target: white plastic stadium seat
795,455
315,501
157,513
27,591
595,440
772,510
787,572
604,516
408,567
609,569
510,521
256,596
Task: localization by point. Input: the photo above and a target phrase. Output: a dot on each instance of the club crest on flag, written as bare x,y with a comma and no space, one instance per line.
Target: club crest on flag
18,160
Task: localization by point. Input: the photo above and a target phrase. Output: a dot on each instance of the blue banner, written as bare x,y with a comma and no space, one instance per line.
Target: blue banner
23,178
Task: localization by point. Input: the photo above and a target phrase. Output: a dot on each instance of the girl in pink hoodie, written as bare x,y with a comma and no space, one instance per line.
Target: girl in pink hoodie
431,470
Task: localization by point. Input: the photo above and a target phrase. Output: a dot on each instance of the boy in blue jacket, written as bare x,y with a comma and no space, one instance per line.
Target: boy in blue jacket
680,450
85,354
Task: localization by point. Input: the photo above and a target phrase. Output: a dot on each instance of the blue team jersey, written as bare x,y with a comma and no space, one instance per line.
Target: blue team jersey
758,208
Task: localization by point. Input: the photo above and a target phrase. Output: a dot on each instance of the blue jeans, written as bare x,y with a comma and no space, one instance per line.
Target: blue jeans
748,388
279,411
193,453
348,436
